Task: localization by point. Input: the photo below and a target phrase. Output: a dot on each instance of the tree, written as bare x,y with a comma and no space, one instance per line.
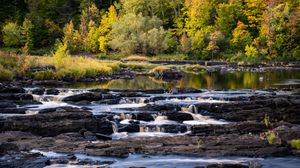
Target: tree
240,37
27,36
12,36
216,38
137,37
105,27
226,18
91,43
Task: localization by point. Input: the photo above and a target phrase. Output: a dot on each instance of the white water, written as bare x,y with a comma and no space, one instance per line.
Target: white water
171,161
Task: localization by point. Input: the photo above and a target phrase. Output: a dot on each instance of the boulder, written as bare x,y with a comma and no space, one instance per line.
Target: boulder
38,91
52,91
179,116
84,96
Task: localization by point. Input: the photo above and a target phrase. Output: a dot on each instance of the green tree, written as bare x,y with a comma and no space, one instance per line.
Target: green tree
12,35
135,37
27,36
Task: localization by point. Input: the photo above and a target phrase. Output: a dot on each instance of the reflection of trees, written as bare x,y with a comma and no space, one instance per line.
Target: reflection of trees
210,80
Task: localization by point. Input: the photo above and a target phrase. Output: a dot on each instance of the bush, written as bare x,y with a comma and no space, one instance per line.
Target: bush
12,36
44,75
194,68
5,74
160,70
295,143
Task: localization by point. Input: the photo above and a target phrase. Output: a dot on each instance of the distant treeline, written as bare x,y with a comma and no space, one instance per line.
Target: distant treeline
249,30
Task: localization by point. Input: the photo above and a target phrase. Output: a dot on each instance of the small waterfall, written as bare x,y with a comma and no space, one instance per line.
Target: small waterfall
115,127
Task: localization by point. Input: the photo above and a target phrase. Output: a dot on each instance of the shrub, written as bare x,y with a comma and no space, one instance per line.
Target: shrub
12,35
194,68
295,143
270,136
43,75
160,70
5,74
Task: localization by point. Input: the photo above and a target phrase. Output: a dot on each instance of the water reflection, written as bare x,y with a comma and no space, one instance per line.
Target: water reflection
207,80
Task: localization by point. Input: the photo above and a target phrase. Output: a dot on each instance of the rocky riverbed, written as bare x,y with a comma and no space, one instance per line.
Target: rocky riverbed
111,123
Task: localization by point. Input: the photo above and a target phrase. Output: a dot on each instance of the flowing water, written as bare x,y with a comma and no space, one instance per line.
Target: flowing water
216,87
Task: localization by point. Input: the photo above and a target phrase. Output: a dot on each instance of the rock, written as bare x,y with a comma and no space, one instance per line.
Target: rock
179,116
104,127
143,116
178,90
52,91
173,128
42,68
88,135
13,89
38,91
6,148
103,137
84,96
55,121
13,111
24,160
129,128
235,128
7,105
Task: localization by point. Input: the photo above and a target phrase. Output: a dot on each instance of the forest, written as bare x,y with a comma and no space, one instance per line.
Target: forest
231,30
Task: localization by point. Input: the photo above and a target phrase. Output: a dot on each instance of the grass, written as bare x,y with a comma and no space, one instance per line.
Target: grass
170,57
136,58
137,65
160,69
194,68
12,65
295,143
73,67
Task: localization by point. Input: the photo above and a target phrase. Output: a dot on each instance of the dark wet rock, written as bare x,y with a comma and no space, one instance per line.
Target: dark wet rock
13,111
16,97
143,116
82,103
12,89
129,128
52,91
173,128
55,121
88,135
179,116
6,148
235,128
109,101
278,108
103,91
168,74
24,160
38,91
103,137
42,68
7,105
178,90
84,96
49,83
160,108
104,127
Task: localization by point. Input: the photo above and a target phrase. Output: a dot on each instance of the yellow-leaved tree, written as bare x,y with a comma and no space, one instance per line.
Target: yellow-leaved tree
105,27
